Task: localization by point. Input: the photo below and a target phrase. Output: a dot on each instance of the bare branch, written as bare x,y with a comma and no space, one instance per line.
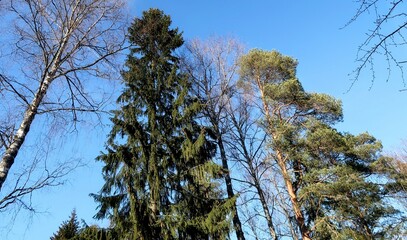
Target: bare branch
62,49
390,25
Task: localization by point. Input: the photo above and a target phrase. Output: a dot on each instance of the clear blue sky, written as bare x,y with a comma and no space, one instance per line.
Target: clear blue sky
309,31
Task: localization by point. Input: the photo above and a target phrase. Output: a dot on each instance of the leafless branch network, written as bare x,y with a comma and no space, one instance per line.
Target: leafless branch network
385,41
60,51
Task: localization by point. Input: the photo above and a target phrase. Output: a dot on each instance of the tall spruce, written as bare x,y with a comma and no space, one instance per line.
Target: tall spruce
331,178
160,180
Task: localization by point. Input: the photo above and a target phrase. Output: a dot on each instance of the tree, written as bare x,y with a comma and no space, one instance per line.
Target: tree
96,233
327,174
69,229
259,69
212,66
395,169
386,37
160,178
26,184
57,49
247,147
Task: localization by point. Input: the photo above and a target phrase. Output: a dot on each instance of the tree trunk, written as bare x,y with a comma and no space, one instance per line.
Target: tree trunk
257,185
266,210
11,152
229,189
299,217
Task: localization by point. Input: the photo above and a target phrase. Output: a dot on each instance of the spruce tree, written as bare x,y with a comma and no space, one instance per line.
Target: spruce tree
160,180
68,229
96,233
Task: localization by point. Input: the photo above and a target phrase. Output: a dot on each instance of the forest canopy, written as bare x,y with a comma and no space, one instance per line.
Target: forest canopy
215,141
206,139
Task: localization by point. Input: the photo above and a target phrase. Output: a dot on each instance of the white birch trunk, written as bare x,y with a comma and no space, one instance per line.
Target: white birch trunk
62,39
11,152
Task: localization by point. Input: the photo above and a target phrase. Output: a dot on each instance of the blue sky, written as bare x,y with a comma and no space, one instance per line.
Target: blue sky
310,31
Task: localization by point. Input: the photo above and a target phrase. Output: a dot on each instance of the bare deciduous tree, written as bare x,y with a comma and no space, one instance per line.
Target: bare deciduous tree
213,65
385,38
58,49
29,179
247,146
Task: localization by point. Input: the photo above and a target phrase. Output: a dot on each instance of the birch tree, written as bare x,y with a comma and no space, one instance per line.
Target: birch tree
59,49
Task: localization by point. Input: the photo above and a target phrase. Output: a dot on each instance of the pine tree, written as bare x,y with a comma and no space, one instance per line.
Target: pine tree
160,180
332,184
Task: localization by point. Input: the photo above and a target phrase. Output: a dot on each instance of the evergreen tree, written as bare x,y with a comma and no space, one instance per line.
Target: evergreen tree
96,233
330,177
160,180
68,229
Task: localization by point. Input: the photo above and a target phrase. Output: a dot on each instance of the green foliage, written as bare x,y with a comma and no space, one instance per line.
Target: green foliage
267,67
96,233
342,183
69,229
159,177
396,170
335,177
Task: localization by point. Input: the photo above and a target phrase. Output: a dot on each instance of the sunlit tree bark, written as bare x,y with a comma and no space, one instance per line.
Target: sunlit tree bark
61,46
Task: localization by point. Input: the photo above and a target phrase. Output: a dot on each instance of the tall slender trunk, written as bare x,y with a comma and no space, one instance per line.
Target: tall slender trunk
263,201
257,185
229,189
299,217
153,178
49,75
265,209
11,152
